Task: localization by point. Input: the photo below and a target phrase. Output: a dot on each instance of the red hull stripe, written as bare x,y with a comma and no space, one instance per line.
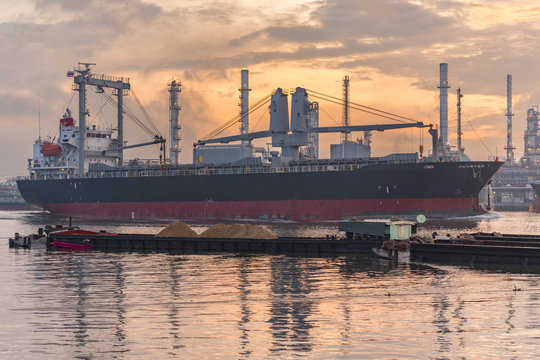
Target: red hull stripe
298,210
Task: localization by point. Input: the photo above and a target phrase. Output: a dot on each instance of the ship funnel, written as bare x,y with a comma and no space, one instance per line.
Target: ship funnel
443,86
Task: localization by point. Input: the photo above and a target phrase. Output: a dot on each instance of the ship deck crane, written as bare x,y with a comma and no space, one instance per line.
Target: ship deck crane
291,137
84,78
157,140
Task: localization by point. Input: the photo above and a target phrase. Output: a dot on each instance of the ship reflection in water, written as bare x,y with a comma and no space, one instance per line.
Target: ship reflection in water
259,306
130,305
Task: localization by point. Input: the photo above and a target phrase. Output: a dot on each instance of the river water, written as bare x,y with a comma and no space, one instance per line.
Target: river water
96,305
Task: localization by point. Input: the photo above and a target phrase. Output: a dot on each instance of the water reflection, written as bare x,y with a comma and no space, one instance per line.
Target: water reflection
290,305
244,291
441,312
461,320
173,281
114,305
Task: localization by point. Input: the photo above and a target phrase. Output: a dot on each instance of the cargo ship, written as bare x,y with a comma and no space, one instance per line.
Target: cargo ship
230,182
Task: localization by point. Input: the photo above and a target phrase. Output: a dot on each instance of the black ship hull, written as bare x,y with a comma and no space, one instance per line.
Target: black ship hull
434,189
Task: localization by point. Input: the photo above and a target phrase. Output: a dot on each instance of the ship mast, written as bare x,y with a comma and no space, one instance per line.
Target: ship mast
459,133
83,111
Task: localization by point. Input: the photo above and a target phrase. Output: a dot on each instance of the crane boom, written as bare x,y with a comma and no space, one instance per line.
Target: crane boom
330,129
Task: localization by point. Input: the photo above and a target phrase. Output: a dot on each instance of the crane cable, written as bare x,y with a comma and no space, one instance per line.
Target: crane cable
132,116
234,120
143,110
237,118
361,107
478,136
327,114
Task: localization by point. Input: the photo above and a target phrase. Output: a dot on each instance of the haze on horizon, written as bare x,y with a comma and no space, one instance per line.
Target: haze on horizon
390,49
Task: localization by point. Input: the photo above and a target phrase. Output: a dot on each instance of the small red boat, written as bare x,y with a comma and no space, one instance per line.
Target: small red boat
71,246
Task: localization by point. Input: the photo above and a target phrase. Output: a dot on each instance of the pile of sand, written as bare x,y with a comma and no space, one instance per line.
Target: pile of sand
177,229
239,231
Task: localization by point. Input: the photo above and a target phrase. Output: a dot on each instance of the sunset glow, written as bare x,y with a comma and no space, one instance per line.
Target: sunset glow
391,51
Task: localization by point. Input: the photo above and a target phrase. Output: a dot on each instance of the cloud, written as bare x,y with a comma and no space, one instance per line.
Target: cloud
206,43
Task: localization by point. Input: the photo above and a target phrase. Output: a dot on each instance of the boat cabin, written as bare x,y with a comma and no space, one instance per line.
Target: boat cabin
387,229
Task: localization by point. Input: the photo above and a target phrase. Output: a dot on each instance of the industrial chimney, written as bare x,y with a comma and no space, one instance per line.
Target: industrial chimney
509,146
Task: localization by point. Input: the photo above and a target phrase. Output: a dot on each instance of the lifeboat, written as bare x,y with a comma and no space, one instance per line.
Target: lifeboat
50,149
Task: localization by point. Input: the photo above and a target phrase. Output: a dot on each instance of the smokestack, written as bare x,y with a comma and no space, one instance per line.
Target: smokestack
443,86
509,146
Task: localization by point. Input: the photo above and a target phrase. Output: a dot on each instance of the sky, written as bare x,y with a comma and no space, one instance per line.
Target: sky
391,51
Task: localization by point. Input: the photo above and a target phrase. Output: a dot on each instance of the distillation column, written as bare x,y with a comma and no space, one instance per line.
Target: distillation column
509,146
175,87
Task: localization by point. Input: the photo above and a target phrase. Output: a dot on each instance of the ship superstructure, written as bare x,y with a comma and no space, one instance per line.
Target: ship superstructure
60,159
240,180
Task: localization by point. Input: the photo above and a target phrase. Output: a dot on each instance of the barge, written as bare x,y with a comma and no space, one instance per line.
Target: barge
500,249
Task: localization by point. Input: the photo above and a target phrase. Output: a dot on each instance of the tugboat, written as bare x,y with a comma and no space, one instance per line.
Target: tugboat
25,242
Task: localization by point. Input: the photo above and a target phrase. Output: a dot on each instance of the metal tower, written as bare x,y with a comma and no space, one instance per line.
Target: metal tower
443,86
509,146
346,111
244,104
459,133
175,87
100,81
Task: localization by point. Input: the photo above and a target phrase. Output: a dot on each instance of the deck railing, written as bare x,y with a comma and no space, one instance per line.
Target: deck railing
152,171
